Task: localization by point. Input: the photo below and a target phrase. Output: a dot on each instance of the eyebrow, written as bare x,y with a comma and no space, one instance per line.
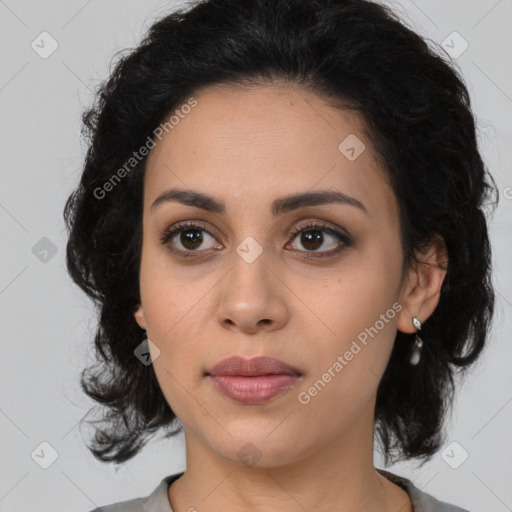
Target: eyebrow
280,206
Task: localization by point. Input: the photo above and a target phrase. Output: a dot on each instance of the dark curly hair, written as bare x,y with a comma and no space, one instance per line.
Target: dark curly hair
417,113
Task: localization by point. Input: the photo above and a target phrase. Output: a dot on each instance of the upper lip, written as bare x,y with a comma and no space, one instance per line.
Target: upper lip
237,365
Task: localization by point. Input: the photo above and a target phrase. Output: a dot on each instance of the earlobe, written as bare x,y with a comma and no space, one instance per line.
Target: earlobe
139,317
422,288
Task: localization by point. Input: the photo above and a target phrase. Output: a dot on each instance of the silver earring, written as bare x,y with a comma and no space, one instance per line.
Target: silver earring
415,356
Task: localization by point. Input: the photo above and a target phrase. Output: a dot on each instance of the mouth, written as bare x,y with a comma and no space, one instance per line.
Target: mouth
255,367
253,381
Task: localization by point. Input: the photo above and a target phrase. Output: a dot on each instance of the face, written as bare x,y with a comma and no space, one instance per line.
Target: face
315,284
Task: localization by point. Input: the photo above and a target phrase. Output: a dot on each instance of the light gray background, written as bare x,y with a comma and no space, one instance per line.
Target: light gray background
47,324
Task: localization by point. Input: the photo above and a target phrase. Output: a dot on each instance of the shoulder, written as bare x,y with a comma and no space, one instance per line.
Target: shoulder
428,503
421,501
157,501
134,505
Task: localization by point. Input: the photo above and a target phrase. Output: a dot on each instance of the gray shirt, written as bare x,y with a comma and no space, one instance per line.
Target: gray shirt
158,501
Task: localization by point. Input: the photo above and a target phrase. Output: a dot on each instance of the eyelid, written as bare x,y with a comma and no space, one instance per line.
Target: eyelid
189,224
319,224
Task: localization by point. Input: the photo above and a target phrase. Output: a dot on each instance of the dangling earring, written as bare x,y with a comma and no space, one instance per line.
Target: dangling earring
415,356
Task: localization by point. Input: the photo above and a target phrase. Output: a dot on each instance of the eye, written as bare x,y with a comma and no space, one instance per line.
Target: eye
312,237
185,238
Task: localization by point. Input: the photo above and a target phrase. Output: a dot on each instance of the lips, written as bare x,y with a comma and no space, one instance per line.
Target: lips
253,381
254,367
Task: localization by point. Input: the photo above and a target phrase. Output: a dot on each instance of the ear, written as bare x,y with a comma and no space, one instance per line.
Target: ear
139,317
421,290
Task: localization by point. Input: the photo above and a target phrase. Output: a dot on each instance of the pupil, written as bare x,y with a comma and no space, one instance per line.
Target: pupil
191,239
312,239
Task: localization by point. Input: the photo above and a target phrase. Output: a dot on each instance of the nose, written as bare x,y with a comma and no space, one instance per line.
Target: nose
252,297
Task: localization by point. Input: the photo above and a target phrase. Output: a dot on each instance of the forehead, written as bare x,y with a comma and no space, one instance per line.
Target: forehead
252,144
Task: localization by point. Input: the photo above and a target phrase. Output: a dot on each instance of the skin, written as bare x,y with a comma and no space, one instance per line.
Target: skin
248,146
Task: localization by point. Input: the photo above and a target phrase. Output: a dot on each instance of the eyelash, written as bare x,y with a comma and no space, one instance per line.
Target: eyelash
345,240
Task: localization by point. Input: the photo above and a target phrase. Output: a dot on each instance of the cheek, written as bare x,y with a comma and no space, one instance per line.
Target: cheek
170,294
173,304
353,297
356,319
346,367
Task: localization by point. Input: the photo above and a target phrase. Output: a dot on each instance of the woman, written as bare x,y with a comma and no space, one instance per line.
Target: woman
281,219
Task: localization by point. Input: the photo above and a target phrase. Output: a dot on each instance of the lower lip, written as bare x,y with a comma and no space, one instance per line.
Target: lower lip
253,390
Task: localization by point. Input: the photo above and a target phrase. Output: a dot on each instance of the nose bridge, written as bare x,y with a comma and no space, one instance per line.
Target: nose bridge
249,275
250,294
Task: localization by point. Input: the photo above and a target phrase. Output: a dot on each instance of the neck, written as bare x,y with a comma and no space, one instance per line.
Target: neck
339,474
